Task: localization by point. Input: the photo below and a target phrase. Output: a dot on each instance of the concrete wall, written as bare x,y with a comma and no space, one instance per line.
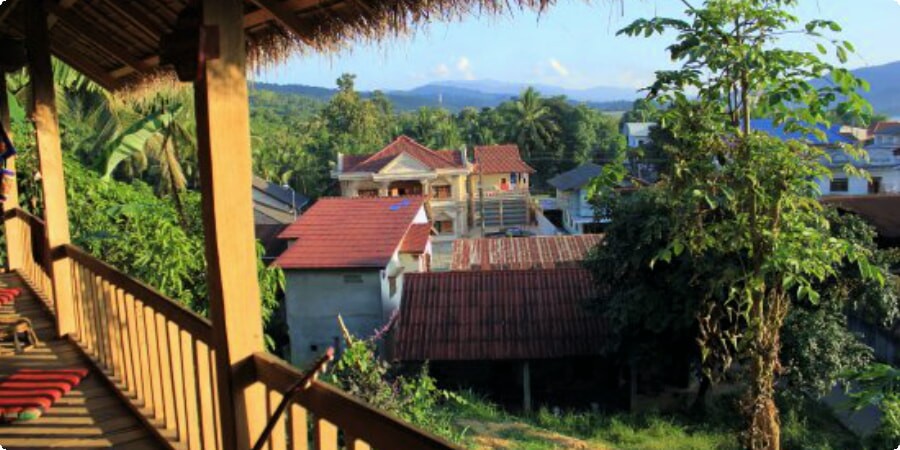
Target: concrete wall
492,182
315,298
890,182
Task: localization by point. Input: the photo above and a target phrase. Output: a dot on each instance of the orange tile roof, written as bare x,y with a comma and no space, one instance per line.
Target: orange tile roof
443,159
500,159
540,252
416,239
512,314
349,232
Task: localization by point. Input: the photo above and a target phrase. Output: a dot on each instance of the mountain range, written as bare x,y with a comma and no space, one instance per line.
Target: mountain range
456,95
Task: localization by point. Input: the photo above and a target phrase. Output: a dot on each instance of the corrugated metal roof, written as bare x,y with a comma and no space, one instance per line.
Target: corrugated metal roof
500,159
542,252
519,314
349,232
832,135
882,211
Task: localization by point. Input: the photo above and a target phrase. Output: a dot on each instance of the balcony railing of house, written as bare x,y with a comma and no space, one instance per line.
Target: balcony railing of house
160,358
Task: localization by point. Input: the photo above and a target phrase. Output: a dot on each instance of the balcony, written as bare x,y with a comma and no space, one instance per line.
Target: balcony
153,381
160,375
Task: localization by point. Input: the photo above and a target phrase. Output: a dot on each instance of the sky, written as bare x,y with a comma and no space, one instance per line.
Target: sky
572,44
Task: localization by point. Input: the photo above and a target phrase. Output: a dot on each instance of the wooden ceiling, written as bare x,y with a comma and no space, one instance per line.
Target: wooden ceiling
116,42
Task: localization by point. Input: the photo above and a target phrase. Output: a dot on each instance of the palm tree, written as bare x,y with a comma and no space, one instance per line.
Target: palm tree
165,136
533,126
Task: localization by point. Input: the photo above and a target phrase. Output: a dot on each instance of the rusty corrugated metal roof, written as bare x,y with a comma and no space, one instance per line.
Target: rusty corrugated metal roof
519,314
541,252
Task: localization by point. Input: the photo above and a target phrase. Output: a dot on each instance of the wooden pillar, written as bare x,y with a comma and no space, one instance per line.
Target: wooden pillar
526,387
223,140
56,215
11,227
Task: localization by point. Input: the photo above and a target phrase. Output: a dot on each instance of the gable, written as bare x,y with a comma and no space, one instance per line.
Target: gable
404,163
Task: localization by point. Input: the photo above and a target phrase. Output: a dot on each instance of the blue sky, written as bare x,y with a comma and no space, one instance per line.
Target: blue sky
572,44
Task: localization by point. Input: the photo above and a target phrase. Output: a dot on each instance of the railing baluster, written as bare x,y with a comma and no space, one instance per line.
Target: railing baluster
214,385
154,397
78,299
189,381
204,394
143,358
177,376
277,440
112,325
90,321
167,377
326,435
299,428
125,341
99,343
354,443
137,376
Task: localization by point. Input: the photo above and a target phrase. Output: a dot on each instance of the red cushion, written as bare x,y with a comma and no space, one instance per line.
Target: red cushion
51,395
19,403
70,378
12,386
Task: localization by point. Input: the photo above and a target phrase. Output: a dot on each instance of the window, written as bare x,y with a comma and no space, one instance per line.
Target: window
367,193
353,279
442,192
839,185
444,226
875,185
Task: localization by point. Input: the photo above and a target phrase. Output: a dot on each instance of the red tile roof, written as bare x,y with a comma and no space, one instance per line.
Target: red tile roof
543,252
432,159
519,314
500,159
416,238
349,232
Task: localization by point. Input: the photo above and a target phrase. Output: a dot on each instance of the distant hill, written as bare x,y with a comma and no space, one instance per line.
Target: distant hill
599,94
454,98
885,93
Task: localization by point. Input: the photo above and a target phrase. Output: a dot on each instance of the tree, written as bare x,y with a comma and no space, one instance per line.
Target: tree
532,125
744,197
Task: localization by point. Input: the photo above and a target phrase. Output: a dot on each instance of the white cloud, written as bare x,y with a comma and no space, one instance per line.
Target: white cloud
560,69
464,66
441,70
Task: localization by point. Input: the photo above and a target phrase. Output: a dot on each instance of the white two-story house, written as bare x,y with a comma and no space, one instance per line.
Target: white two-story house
348,256
406,167
883,165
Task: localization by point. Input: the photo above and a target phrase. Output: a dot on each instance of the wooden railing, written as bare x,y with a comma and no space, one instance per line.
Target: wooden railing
159,357
29,233
157,352
324,418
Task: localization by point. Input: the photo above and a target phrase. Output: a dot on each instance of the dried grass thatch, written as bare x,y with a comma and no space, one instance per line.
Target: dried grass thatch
116,42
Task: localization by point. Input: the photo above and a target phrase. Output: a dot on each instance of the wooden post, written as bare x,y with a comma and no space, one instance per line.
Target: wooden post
526,386
14,249
223,141
56,215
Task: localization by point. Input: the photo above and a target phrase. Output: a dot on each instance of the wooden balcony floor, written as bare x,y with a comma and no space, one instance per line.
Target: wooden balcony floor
91,416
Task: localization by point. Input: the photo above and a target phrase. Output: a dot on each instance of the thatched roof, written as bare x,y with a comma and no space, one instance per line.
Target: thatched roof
117,42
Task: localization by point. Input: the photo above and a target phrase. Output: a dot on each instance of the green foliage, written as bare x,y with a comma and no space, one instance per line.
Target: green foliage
414,398
741,197
879,385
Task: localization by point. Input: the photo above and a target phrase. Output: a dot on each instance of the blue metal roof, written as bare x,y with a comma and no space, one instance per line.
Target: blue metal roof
832,135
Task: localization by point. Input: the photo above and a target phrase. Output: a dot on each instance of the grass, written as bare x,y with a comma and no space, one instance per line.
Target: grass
480,425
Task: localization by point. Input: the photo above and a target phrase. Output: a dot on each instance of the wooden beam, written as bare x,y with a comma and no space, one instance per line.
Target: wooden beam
284,15
14,248
223,142
90,32
46,125
64,4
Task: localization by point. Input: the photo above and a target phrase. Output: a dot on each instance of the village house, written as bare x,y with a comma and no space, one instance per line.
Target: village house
405,168
274,208
348,256
499,187
883,165
637,134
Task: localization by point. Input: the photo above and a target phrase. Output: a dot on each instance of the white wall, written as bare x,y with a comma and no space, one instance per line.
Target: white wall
890,182
313,299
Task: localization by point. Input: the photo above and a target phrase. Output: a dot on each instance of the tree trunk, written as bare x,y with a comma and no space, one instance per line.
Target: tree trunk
764,431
